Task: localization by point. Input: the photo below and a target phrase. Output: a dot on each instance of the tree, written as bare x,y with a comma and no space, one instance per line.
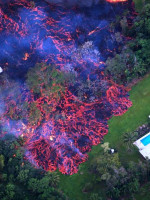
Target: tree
105,146
34,114
21,180
1,162
47,86
23,176
118,37
46,79
120,67
133,186
129,138
133,61
124,24
33,185
53,178
103,165
95,196
115,193
141,44
44,184
10,193
147,164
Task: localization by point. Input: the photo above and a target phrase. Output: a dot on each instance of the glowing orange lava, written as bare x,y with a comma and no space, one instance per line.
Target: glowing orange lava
116,1
26,56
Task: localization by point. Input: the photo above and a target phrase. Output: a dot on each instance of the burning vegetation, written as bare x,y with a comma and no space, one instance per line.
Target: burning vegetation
61,106
58,125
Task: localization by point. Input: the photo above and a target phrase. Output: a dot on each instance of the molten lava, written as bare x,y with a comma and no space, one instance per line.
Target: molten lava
66,128
116,1
26,56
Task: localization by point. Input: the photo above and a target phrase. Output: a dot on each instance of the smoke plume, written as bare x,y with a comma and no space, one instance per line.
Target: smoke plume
82,3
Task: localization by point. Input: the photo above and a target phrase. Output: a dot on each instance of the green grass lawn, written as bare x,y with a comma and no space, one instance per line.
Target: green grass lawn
134,117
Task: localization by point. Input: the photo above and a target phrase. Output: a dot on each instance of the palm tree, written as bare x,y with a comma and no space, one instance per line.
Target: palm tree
129,138
54,179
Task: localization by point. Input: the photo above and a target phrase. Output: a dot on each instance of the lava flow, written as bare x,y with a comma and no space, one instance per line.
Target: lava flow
116,1
76,41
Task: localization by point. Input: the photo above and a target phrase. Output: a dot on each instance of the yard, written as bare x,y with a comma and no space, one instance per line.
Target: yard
134,117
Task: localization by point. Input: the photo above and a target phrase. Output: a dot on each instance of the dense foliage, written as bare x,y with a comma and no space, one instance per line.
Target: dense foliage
119,180
133,61
19,180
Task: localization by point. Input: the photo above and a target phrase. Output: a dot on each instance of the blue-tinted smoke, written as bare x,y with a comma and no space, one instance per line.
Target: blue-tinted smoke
82,3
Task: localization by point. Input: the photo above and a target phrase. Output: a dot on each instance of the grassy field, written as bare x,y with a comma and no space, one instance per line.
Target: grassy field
134,117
